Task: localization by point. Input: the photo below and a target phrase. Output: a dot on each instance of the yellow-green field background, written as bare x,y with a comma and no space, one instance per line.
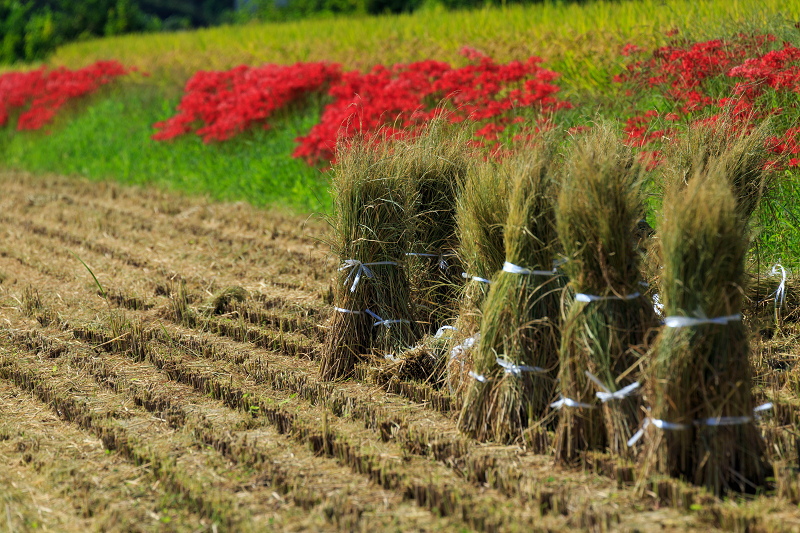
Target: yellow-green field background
582,41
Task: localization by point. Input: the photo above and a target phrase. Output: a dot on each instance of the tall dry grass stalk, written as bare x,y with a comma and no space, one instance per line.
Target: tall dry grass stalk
370,226
701,375
599,207
517,355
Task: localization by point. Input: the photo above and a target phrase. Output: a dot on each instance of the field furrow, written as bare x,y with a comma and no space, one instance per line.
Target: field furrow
210,395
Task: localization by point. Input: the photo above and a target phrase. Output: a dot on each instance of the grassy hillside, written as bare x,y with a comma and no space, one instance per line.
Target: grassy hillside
109,135
582,41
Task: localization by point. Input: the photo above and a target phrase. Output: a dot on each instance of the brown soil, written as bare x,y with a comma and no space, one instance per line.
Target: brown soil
164,406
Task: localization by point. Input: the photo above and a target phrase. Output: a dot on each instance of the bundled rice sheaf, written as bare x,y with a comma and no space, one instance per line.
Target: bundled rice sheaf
481,214
701,379
516,359
608,322
739,148
372,305
434,166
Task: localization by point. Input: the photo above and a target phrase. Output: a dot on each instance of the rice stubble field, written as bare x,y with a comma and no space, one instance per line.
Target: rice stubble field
179,391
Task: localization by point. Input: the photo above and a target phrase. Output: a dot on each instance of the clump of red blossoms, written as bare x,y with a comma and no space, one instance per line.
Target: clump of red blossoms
397,101
45,92
226,103
741,77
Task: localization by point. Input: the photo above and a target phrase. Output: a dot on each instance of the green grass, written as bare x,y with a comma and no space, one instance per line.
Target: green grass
110,139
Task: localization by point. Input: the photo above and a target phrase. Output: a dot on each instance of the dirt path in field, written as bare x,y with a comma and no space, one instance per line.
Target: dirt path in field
146,410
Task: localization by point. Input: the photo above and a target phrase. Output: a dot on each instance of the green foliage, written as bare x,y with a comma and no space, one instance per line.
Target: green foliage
29,30
111,138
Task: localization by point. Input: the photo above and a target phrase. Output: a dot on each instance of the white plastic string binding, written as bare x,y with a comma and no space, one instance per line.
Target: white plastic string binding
714,421
606,394
442,262
763,407
558,262
475,278
382,322
688,321
580,297
571,403
390,357
660,424
341,310
360,268
477,377
780,292
723,421
441,330
511,268
456,353
517,370
733,420
658,307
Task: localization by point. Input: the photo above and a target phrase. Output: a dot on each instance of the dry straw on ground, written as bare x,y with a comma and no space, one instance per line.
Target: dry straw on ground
516,358
701,376
370,236
607,324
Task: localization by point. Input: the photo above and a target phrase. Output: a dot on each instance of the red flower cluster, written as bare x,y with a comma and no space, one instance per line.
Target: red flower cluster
398,100
47,92
740,76
227,103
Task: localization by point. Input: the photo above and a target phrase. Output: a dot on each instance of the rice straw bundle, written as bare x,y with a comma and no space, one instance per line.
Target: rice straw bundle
434,165
607,323
516,359
737,148
481,214
370,236
700,382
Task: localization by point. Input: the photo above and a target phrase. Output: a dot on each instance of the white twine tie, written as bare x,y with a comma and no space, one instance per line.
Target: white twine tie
477,377
658,307
341,310
517,370
511,268
714,422
457,351
475,278
360,269
571,403
387,323
441,330
581,297
780,292
606,394
688,321
442,262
